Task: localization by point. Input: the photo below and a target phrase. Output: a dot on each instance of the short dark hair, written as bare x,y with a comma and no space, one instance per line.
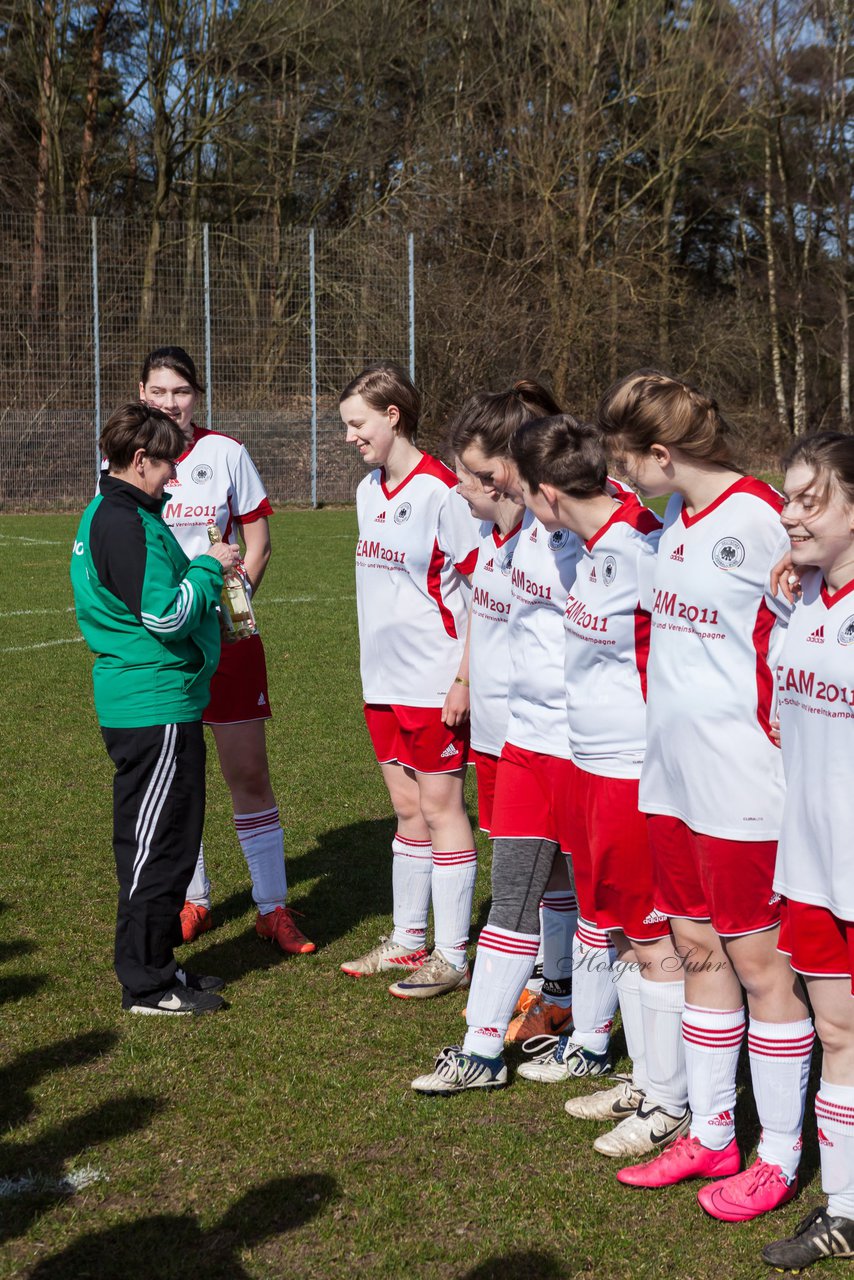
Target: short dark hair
383,384
489,418
562,452
138,426
176,359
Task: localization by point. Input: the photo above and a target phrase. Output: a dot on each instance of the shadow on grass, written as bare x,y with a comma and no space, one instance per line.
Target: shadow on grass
18,986
20,1077
519,1265
167,1246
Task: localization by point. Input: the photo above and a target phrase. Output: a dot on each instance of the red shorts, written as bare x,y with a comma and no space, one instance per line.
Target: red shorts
416,738
818,943
728,882
611,858
527,787
239,686
485,766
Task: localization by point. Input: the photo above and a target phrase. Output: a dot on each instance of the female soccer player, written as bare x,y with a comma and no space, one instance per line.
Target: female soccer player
417,542
712,786
217,483
607,622
525,827
149,615
815,867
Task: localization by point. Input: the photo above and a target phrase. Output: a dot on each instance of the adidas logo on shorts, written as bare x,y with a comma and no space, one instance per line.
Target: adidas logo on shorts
262,701
773,900
817,636
449,752
679,553
655,917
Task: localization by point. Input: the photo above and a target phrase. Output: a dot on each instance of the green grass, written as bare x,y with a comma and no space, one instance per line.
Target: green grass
280,1138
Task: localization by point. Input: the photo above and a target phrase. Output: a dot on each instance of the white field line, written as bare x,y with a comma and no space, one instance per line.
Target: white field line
34,542
33,613
30,1184
44,644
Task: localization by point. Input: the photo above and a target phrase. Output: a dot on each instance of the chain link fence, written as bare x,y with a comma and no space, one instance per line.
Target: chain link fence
276,320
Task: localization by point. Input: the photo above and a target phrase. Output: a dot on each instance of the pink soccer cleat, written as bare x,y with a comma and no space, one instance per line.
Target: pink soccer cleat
757,1190
686,1158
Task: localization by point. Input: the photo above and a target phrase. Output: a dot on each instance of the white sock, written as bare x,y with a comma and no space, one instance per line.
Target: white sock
454,874
661,1010
627,982
411,875
558,918
263,843
834,1111
594,995
501,969
712,1042
535,982
199,888
780,1055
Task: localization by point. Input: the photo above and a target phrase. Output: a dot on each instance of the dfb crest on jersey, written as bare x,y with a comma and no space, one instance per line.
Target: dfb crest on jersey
202,473
845,634
609,570
559,539
506,565
728,553
403,512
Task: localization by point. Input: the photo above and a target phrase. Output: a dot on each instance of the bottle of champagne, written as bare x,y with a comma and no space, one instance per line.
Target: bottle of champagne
237,612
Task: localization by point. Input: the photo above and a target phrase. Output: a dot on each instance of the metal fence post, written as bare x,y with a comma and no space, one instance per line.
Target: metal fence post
313,296
96,339
411,248
206,262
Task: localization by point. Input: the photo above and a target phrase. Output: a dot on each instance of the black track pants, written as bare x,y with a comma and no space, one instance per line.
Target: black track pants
158,815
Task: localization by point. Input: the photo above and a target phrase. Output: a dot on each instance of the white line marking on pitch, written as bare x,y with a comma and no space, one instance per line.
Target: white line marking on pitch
31,613
45,644
34,542
37,1183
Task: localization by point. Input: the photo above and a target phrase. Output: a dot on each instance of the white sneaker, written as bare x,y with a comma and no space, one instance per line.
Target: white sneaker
455,1071
385,956
649,1129
608,1104
563,1059
435,977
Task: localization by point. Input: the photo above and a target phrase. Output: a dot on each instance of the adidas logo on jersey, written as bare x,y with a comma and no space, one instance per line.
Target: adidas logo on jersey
679,553
817,636
449,752
380,519
593,574
489,567
534,534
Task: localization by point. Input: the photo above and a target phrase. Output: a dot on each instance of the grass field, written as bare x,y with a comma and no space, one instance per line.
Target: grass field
280,1138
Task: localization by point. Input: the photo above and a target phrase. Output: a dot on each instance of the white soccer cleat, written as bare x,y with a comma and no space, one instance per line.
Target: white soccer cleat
385,957
608,1104
456,1071
435,977
649,1129
561,1059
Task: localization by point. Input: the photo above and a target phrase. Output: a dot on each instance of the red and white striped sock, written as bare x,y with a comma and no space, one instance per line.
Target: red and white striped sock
558,918
594,993
411,875
454,874
834,1111
712,1040
780,1055
263,843
502,966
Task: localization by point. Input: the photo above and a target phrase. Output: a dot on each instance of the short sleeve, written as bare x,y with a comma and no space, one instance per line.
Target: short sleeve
250,500
458,532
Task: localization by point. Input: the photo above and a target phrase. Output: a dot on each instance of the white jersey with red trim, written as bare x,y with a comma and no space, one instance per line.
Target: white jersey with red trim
216,483
710,759
541,578
607,643
416,542
815,698
489,652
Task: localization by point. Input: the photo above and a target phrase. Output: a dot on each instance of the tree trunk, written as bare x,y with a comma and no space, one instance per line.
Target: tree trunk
87,146
771,274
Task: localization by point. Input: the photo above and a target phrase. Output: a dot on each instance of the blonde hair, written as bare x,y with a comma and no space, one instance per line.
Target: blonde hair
648,407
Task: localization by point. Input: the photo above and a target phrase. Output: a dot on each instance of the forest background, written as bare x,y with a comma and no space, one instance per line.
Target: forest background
593,185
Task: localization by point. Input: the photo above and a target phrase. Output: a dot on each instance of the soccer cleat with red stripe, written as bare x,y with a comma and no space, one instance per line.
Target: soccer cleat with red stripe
280,928
686,1158
195,920
385,957
757,1190
542,1019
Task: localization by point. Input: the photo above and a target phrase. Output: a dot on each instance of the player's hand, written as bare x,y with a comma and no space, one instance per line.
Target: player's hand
785,578
226,553
457,704
774,729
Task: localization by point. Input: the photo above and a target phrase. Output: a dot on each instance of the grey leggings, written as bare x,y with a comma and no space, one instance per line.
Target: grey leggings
520,873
